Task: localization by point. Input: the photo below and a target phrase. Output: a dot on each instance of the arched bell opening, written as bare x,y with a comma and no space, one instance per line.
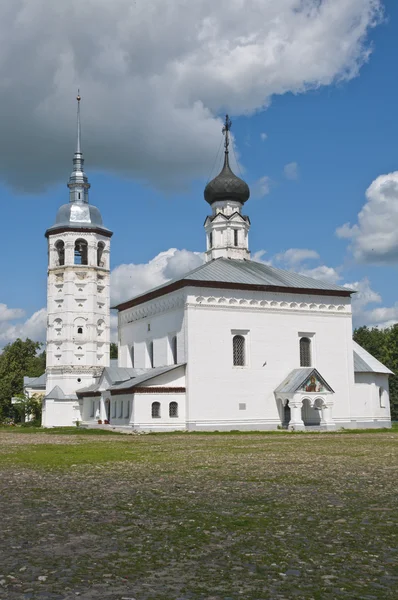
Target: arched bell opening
81,252
60,248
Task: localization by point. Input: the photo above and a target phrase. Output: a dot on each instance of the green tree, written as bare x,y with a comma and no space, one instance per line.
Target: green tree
114,350
383,345
19,359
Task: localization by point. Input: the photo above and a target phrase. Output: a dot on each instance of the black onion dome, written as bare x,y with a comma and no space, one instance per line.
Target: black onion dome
226,186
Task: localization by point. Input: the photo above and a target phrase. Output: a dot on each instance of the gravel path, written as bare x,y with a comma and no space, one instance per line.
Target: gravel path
211,517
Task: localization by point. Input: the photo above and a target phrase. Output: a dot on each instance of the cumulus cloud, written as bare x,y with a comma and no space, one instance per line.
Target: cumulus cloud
132,279
261,187
34,328
155,75
381,316
295,256
374,239
8,314
297,259
291,171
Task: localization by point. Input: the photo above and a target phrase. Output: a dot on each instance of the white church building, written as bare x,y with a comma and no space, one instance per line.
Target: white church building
232,345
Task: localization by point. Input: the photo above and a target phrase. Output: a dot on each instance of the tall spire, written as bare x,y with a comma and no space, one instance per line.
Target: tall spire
78,183
78,145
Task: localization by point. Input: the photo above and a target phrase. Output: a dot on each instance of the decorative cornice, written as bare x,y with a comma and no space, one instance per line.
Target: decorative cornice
65,229
268,305
221,285
149,390
155,308
95,371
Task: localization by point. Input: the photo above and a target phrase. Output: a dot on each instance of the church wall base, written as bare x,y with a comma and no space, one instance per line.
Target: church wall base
362,424
62,413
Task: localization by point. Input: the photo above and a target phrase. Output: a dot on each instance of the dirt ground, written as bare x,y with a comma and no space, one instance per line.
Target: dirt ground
199,517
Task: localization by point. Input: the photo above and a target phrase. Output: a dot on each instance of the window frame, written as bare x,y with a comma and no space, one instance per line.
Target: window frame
305,351
173,407
156,408
238,337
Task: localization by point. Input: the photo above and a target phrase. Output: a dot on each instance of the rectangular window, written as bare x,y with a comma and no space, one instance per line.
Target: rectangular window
121,410
92,408
114,410
127,415
235,237
242,406
382,397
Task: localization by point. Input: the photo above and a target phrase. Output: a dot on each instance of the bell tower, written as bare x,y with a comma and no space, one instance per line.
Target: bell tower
227,229
78,298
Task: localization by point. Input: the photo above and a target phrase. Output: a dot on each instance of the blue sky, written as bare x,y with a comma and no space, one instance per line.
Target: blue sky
341,137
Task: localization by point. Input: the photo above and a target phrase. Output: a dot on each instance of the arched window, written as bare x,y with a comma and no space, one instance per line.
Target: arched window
173,344
60,248
305,352
81,252
80,330
100,250
173,409
155,410
238,343
235,237
150,354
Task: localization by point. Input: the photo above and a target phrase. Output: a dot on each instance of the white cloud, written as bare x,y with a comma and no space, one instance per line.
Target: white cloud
132,279
34,328
365,295
8,314
263,136
261,187
291,171
295,256
374,239
296,259
154,75
323,273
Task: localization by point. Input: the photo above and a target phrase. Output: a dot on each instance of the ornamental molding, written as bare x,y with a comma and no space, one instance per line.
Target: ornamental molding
159,306
75,370
247,304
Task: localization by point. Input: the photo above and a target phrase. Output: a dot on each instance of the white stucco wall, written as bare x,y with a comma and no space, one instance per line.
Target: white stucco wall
371,403
156,322
215,388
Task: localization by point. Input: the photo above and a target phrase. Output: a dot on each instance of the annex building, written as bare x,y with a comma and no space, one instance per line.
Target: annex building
232,345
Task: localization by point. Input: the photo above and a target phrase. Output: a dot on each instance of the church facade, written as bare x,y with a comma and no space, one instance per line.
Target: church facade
233,345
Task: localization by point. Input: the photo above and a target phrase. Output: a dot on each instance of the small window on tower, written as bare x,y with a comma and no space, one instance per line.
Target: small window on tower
235,237
80,330
211,240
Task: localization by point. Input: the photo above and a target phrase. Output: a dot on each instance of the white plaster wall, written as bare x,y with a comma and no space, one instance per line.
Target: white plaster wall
366,407
141,328
63,413
142,418
215,388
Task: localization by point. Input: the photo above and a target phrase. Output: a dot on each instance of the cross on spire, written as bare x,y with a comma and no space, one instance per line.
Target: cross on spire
226,129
